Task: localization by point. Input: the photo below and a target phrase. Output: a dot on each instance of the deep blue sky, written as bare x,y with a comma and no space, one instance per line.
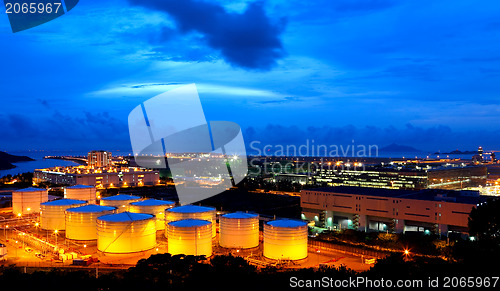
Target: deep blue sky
421,73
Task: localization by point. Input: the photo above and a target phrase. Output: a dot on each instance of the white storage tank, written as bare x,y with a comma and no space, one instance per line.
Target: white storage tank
285,239
126,232
239,230
190,237
81,192
155,207
121,202
28,200
191,212
81,222
52,215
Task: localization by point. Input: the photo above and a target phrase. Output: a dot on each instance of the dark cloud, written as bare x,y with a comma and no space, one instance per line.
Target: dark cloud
60,130
249,40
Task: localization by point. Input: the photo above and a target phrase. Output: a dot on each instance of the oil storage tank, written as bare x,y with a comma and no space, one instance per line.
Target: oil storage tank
52,215
285,239
126,232
121,202
190,237
239,230
28,200
155,207
191,212
81,222
81,192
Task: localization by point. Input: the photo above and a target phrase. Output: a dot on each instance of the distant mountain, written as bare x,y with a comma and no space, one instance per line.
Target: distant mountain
396,148
6,160
457,152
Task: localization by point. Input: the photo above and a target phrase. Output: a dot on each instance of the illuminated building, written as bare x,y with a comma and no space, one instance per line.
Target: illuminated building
403,178
395,210
100,178
99,159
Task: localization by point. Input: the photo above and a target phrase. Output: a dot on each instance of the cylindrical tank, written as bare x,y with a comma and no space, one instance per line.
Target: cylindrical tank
81,192
190,237
126,232
239,230
28,200
81,222
191,212
52,215
121,202
155,207
285,239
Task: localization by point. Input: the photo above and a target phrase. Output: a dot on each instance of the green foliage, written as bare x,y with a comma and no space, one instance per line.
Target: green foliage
484,221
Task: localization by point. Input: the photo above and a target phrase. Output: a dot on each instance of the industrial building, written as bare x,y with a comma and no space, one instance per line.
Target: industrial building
395,210
402,177
98,177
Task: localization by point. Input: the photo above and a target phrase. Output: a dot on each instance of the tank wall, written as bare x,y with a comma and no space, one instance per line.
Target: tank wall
285,242
126,237
22,201
208,215
239,233
121,205
190,240
158,211
53,217
83,225
87,194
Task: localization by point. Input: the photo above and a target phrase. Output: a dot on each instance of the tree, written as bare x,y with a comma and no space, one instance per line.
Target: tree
484,221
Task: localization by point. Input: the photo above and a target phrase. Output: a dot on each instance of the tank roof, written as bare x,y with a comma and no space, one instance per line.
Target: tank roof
240,215
152,202
189,223
62,202
125,217
287,223
191,209
91,208
80,187
121,197
30,189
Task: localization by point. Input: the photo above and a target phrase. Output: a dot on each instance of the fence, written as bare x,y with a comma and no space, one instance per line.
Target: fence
357,251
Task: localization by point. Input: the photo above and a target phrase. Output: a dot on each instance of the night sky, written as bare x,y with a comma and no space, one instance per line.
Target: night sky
418,73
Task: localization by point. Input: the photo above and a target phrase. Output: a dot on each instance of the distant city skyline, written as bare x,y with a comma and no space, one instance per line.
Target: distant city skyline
377,72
